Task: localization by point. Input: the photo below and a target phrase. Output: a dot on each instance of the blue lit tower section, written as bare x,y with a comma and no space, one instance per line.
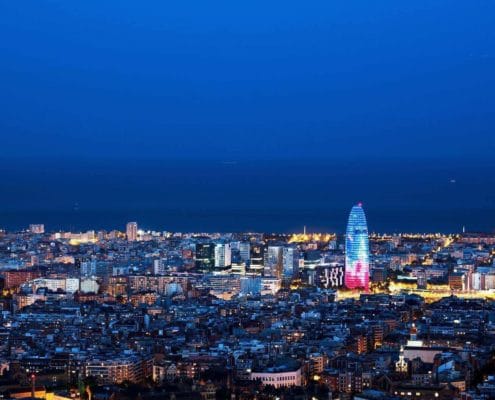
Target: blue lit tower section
357,251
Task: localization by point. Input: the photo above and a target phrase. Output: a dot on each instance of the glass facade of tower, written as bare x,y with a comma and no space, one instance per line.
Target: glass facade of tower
357,252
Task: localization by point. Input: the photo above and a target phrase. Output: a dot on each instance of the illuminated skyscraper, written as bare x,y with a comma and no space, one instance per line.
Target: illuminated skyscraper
290,258
223,256
257,257
244,250
131,231
357,252
274,262
205,256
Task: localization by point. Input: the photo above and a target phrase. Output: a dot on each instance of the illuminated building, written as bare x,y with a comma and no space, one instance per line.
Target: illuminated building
330,275
314,237
23,300
421,279
290,257
99,268
76,239
69,285
117,285
223,256
142,283
159,266
37,228
131,231
238,268
270,285
456,281
119,369
317,364
148,298
401,365
287,374
274,262
413,338
357,268
88,268
250,285
89,285
244,251
220,284
351,381
257,255
16,278
205,255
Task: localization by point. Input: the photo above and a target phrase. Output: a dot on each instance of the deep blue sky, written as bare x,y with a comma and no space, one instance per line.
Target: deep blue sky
283,113
234,80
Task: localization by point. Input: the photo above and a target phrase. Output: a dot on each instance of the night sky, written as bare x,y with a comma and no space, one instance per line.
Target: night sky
247,80
169,110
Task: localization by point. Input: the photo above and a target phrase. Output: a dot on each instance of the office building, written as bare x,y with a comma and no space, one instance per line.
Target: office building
131,231
204,256
274,262
244,251
257,258
223,256
290,260
357,264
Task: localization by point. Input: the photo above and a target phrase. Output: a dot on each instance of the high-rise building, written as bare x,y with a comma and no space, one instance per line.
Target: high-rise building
290,257
160,266
257,256
94,268
244,251
223,256
37,228
205,256
274,261
131,231
357,252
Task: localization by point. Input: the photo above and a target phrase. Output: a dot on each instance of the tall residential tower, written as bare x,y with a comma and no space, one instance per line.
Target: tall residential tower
357,252
131,231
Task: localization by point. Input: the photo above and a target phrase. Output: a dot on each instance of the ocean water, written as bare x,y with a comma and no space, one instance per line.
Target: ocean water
235,196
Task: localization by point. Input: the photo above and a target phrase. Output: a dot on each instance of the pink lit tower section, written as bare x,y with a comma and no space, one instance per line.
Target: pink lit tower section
357,250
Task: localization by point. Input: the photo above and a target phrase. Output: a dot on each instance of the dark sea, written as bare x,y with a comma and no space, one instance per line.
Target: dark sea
237,196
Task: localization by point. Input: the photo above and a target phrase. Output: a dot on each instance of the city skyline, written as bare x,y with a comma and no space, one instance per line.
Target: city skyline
224,315
256,200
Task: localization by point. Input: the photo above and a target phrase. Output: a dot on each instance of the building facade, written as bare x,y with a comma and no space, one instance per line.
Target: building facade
131,231
357,253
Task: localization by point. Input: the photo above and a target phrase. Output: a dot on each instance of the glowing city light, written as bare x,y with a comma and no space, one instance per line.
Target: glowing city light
357,264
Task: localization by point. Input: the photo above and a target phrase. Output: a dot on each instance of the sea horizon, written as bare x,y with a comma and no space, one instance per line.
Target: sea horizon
248,195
